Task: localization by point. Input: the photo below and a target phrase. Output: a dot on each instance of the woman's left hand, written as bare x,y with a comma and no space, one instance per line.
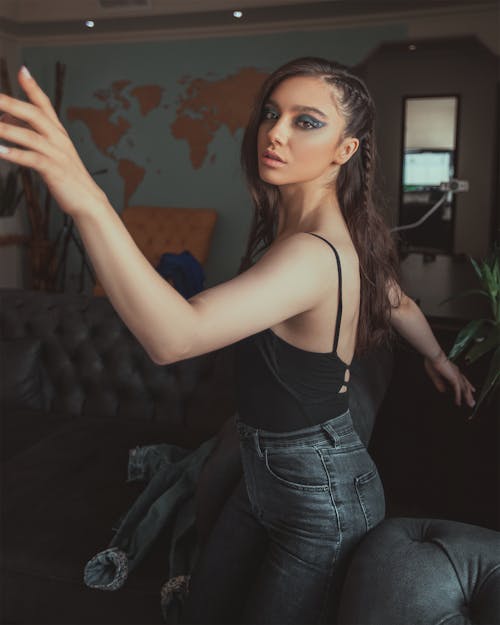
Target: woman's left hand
441,369
41,142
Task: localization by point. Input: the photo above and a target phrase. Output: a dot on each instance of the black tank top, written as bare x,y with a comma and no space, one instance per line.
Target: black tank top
281,387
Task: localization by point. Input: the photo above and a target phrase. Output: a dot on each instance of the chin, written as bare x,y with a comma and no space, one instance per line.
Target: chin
270,177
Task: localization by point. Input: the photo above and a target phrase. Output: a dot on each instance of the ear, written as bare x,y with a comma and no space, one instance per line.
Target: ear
346,150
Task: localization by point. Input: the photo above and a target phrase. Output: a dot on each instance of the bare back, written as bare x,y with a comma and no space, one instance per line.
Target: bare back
314,330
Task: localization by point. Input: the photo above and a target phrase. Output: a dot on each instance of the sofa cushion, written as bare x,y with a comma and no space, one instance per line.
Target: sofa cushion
21,385
20,429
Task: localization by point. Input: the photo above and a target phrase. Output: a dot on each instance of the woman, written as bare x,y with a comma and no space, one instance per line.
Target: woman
324,289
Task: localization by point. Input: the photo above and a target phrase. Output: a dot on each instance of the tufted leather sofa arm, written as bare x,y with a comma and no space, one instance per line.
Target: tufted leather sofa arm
86,362
424,572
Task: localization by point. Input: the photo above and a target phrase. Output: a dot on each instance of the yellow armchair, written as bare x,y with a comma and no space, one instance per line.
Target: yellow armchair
157,230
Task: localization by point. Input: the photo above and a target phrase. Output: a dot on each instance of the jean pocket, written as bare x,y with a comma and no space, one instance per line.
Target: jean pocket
301,470
371,497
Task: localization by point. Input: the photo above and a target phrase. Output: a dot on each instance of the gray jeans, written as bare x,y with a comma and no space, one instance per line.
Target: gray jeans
279,551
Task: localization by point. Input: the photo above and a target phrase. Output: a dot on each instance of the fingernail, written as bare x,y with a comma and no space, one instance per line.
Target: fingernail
4,149
25,71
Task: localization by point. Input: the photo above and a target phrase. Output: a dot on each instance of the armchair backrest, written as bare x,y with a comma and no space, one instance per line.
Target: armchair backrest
157,230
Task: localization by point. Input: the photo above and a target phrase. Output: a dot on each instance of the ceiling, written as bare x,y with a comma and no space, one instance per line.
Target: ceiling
45,18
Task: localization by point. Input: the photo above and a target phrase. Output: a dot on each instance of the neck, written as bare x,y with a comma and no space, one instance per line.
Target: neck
304,208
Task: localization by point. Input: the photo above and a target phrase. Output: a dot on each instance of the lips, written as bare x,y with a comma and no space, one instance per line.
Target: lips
273,155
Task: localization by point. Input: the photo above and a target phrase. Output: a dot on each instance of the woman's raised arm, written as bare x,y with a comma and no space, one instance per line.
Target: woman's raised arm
286,281
410,322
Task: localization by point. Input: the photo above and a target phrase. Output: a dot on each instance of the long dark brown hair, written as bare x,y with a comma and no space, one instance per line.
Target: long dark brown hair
355,188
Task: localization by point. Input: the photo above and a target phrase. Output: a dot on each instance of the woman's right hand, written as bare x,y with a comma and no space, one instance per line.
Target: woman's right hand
45,146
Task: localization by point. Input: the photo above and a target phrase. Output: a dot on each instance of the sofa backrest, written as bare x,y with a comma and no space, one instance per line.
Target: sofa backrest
72,355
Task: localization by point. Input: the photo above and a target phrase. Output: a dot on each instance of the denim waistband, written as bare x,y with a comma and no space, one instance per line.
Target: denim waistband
334,429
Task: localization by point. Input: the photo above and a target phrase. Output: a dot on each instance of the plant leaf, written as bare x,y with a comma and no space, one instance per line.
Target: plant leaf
490,341
490,280
465,336
496,271
476,267
492,379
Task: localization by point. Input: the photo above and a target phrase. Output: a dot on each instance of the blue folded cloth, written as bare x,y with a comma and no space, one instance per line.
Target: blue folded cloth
187,273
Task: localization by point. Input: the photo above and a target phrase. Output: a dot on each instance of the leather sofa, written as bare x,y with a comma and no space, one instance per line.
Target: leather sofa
78,392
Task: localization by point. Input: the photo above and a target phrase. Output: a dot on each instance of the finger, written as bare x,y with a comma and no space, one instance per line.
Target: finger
25,158
28,113
8,119
467,389
27,138
469,384
468,392
38,96
458,392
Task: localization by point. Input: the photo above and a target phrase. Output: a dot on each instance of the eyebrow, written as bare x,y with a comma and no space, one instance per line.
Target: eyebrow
301,108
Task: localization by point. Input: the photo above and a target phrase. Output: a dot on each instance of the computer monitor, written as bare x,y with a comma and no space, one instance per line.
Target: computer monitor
424,170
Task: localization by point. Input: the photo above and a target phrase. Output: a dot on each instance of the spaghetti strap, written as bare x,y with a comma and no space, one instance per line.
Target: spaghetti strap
339,308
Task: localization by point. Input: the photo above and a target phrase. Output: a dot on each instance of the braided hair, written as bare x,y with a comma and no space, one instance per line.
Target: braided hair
354,187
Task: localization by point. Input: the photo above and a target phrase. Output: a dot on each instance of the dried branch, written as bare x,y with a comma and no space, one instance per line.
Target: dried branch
4,77
14,239
59,81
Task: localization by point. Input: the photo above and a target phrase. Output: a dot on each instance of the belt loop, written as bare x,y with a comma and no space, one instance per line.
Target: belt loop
330,431
257,443
250,433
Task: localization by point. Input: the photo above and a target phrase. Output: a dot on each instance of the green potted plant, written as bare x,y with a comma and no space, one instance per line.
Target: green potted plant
481,336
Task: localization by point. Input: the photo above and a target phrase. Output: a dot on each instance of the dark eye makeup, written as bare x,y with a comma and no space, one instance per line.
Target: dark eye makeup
306,122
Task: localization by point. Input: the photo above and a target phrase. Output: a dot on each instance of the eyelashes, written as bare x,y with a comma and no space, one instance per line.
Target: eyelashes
309,122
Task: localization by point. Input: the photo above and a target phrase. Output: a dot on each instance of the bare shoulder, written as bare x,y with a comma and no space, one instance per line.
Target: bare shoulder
301,248
349,260
308,255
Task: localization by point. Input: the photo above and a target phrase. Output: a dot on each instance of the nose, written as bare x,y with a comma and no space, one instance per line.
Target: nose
277,133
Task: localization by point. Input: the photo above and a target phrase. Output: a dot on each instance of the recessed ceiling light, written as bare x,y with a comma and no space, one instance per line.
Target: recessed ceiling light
238,14
90,23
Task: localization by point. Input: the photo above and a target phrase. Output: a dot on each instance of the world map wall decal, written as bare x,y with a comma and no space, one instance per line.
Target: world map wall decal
202,107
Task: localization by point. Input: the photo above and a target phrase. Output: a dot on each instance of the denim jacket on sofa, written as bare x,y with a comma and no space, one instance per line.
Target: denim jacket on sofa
167,500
